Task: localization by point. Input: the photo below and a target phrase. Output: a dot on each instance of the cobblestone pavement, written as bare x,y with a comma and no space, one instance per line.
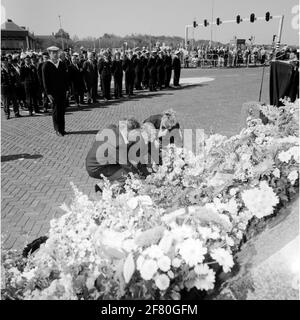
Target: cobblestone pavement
37,166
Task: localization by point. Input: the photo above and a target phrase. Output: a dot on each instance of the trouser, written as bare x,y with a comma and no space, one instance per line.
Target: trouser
45,101
106,86
168,72
78,97
145,78
138,81
176,77
58,112
118,86
129,84
9,95
20,94
119,175
160,79
95,90
31,97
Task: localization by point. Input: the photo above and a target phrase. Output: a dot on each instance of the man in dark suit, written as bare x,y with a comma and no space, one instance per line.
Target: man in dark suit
75,77
145,78
138,71
117,72
91,77
152,71
108,155
105,75
7,88
28,75
160,70
45,57
129,73
55,85
176,65
168,67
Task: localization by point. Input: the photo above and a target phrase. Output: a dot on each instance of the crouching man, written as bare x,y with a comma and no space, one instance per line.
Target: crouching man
108,155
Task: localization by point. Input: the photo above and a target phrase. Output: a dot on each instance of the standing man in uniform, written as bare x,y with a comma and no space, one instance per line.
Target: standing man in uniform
7,89
160,70
168,67
28,75
117,72
145,78
152,71
129,73
55,85
176,67
90,77
75,77
105,74
45,57
138,71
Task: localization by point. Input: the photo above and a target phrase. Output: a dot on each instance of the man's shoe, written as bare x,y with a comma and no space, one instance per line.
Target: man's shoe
58,134
17,115
7,116
97,188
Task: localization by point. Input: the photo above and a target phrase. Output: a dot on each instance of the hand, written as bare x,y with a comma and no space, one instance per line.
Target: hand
50,97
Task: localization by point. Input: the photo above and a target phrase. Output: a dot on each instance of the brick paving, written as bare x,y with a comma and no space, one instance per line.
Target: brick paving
37,166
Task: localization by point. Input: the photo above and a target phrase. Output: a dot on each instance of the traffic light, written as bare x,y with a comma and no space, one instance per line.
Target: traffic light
238,19
205,23
268,16
195,24
218,21
252,17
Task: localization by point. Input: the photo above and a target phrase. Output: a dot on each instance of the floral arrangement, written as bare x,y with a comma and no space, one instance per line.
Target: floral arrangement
176,230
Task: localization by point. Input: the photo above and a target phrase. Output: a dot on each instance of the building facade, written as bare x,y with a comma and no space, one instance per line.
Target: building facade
15,38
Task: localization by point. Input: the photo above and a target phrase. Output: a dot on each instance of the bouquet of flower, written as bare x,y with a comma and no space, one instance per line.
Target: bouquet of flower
176,230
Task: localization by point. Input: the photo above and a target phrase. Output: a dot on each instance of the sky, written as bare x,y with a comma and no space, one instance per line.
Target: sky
157,17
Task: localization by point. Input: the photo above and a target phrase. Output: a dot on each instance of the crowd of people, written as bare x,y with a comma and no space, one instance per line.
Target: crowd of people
233,56
27,79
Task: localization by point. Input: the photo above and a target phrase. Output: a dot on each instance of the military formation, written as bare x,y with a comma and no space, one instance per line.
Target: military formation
49,81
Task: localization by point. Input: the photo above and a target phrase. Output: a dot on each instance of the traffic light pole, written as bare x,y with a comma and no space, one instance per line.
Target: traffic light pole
280,17
186,33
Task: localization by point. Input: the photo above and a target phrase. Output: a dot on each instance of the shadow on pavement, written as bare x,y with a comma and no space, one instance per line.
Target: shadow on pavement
83,132
20,156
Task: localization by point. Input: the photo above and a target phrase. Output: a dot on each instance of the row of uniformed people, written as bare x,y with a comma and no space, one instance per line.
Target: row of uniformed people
22,78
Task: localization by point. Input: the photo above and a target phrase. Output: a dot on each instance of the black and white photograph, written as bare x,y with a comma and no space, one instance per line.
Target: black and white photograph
149,151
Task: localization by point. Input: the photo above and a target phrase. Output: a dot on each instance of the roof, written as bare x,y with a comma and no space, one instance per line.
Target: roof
9,25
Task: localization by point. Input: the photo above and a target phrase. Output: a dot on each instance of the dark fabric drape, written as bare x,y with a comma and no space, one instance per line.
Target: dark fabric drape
284,82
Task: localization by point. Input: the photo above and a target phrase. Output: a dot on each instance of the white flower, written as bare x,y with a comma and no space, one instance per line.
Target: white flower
148,269
201,269
139,262
192,251
205,281
166,243
284,156
293,176
153,252
294,151
145,200
260,201
276,173
233,191
176,262
162,282
171,274
229,241
132,203
164,263
205,232
223,257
